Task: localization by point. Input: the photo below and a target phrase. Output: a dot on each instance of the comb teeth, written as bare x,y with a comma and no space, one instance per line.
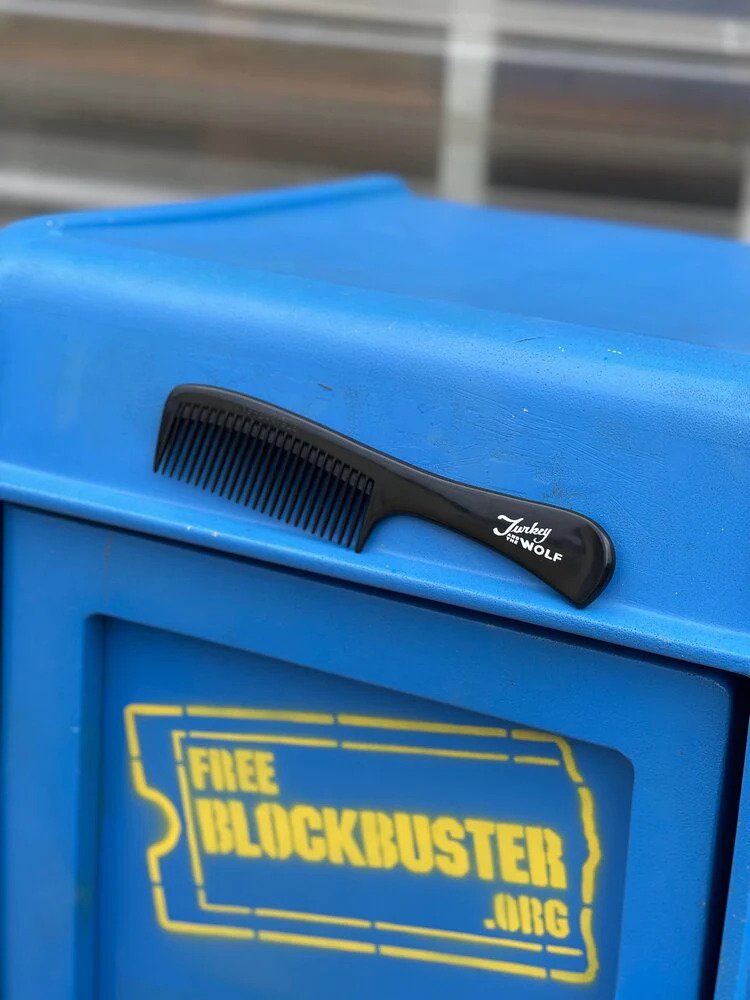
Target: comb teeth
253,461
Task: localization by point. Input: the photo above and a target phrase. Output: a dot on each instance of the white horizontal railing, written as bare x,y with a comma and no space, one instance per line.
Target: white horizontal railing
594,24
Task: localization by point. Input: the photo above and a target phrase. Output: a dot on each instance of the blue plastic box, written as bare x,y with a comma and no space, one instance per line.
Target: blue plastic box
238,761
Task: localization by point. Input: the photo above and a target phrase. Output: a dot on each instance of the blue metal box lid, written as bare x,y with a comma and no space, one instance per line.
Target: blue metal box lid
593,366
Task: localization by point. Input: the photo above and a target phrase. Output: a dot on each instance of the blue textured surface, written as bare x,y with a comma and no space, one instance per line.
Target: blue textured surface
75,830
733,981
103,314
586,273
597,367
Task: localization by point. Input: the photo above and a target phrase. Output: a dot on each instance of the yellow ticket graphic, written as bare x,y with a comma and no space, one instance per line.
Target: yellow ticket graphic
397,838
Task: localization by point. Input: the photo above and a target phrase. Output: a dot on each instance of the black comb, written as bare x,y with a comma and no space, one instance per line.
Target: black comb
283,465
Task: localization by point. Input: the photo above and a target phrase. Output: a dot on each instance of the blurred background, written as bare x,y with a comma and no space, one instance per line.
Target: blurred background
636,110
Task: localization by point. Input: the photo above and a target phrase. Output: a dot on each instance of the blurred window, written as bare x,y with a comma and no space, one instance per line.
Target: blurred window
635,110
